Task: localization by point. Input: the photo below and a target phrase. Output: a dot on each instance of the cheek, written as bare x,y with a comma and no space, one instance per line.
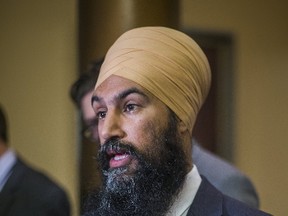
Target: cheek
137,131
143,133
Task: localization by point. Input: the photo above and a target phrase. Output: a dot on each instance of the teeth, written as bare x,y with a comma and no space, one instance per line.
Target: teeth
120,157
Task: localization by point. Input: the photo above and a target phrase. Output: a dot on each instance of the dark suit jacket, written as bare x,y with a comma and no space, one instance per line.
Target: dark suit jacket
224,176
210,202
30,193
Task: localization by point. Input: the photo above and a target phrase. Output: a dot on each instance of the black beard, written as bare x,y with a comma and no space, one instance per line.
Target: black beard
151,189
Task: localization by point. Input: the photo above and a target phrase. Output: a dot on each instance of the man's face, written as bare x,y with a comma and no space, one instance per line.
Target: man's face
141,156
89,117
86,108
129,113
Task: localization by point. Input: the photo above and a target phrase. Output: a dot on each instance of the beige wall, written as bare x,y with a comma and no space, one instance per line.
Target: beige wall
261,75
38,63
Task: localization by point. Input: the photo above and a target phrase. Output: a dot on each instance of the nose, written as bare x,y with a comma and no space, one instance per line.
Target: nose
111,126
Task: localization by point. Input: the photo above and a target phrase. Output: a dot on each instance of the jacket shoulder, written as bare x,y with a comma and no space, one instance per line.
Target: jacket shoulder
211,202
224,176
30,187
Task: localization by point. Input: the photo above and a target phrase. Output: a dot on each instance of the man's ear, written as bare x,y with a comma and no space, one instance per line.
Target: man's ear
182,128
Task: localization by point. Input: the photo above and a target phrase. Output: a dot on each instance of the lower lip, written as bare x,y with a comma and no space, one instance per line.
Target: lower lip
121,161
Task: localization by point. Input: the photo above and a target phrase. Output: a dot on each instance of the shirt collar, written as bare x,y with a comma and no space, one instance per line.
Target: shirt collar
7,161
187,194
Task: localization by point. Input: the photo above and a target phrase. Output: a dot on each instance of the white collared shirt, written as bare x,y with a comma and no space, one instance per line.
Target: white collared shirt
186,196
7,161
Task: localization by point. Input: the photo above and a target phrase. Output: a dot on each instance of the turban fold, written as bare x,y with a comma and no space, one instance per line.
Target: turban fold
166,62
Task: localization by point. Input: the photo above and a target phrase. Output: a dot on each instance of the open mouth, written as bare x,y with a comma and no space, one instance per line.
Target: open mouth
118,158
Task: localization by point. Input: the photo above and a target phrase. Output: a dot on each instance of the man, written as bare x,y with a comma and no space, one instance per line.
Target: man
24,191
150,88
226,178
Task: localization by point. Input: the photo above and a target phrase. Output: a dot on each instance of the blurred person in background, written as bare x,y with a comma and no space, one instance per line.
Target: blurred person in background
25,191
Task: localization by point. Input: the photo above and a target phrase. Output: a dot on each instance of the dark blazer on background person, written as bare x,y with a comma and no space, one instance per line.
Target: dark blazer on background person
224,176
28,192
210,202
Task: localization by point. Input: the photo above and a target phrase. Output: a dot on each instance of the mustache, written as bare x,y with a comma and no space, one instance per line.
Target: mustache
116,146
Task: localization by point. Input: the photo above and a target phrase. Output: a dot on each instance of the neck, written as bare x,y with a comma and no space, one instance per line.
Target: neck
3,147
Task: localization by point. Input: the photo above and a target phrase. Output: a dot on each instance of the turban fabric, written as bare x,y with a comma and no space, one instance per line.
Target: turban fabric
167,63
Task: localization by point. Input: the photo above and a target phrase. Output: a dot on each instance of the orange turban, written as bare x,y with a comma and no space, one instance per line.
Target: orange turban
167,63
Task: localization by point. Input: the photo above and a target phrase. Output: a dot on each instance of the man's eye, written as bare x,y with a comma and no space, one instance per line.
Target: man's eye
101,115
130,107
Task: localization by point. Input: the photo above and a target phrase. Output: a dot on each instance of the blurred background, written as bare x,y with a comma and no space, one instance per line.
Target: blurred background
45,45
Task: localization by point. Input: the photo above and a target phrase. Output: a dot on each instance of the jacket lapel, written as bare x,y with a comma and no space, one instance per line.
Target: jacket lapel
7,195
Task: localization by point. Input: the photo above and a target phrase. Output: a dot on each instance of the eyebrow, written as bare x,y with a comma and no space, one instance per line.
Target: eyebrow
121,95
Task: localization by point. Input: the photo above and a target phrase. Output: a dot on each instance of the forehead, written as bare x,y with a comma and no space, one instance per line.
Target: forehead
115,85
